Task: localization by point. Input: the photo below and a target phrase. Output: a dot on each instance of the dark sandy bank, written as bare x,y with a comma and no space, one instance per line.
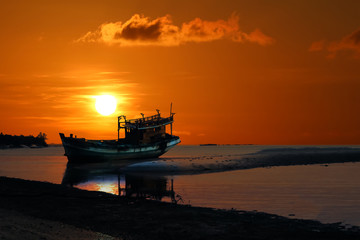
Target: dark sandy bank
130,219
266,158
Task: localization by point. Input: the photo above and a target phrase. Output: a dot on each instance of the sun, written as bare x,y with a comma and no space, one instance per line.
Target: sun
105,104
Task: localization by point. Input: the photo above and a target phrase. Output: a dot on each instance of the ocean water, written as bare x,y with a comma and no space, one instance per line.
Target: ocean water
244,177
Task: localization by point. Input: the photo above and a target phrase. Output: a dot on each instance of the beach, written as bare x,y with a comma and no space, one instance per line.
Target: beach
40,210
306,182
15,225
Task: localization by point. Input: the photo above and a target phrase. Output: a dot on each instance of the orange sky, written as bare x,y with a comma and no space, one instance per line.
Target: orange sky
262,72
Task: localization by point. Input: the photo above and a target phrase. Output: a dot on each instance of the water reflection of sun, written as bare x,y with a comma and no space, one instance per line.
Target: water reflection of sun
108,187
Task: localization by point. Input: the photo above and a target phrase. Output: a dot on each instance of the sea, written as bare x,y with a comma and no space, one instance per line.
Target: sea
220,176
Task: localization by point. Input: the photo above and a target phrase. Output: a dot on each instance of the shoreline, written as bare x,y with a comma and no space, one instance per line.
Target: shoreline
125,218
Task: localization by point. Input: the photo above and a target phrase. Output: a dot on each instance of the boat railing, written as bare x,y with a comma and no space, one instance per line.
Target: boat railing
148,122
145,119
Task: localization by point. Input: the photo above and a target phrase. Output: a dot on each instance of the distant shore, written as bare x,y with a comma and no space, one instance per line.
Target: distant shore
19,146
57,210
13,141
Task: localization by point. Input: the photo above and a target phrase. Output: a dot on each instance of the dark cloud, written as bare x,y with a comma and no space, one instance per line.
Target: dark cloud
137,30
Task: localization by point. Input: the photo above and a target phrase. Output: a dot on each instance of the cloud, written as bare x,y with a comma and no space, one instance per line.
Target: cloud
141,31
349,42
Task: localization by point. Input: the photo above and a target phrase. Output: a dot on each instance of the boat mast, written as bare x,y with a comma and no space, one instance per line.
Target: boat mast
119,125
171,116
119,118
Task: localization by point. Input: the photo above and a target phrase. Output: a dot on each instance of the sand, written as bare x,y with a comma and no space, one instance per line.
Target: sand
14,226
266,158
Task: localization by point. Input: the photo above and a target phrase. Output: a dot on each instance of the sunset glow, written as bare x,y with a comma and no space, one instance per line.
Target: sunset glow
237,72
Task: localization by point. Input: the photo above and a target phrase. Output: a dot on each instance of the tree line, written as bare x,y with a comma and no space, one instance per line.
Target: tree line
10,141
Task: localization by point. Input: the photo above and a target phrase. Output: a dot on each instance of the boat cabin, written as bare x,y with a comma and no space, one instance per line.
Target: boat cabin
144,130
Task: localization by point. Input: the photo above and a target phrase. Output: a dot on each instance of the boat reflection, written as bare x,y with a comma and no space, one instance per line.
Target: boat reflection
110,178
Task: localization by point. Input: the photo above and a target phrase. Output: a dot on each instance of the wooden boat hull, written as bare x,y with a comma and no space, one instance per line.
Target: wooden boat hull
81,150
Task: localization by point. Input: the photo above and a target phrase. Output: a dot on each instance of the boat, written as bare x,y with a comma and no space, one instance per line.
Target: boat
143,138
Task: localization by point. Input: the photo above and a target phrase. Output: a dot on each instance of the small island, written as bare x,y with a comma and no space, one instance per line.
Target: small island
208,144
14,141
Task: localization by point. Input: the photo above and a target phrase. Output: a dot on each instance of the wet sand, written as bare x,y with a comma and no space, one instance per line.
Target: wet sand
51,211
265,158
